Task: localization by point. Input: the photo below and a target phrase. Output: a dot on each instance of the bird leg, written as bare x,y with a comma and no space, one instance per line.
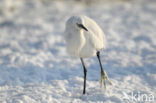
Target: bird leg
85,74
104,75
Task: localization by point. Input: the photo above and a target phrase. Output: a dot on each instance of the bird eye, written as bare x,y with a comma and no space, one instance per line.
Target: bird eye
81,26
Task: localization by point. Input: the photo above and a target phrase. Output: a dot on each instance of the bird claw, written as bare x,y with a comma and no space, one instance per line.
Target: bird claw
104,77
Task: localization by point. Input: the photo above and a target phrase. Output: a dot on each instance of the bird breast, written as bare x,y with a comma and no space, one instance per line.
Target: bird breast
80,44
75,43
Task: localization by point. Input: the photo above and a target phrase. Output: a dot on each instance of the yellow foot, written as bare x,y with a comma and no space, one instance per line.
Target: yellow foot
104,77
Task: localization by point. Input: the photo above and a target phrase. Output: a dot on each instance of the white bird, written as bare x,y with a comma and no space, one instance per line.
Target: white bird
84,38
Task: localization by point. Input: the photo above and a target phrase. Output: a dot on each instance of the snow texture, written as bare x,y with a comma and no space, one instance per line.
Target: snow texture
34,65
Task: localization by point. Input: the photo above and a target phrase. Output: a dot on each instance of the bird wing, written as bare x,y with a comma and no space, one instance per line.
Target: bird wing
96,35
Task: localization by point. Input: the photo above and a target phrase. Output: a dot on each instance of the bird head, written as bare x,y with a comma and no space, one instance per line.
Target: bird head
77,23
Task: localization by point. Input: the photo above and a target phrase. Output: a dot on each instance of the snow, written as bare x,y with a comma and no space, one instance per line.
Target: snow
34,65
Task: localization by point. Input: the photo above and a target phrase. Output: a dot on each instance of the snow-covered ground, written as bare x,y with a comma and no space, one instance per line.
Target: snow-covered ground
34,65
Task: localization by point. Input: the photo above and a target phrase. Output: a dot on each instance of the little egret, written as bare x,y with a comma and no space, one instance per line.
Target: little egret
84,38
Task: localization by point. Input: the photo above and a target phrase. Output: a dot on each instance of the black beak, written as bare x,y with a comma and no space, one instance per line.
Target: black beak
81,26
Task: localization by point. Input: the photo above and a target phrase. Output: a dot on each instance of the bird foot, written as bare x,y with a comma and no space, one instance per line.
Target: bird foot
104,77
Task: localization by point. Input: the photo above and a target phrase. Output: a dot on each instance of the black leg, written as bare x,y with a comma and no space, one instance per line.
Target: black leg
103,73
85,74
98,56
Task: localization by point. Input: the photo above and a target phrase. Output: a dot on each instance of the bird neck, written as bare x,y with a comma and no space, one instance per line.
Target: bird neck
80,39
81,35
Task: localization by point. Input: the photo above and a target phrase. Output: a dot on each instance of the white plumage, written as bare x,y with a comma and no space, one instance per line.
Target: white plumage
82,43
84,38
